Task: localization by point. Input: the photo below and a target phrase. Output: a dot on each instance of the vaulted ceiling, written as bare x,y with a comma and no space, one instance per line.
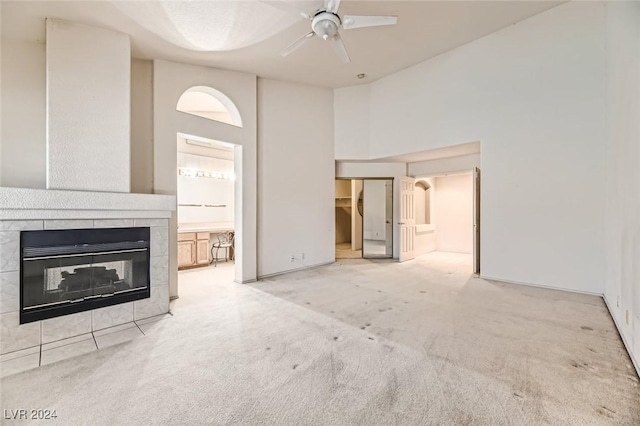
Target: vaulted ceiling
248,36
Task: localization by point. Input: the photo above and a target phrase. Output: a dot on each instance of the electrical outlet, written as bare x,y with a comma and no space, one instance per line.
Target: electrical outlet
302,256
618,302
293,258
626,316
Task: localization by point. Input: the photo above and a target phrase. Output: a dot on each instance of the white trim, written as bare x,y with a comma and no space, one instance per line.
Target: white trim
245,281
627,346
275,274
570,290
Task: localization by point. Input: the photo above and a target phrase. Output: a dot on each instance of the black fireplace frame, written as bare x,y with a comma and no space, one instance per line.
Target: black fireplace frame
31,241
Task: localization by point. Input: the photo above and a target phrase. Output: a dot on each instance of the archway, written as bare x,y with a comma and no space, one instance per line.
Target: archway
209,103
209,184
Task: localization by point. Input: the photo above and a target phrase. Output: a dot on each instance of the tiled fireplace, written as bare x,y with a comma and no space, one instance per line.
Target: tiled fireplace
113,235
66,271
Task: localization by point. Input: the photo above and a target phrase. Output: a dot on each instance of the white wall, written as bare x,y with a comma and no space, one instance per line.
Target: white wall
23,137
296,171
622,200
205,191
534,95
453,213
352,126
88,108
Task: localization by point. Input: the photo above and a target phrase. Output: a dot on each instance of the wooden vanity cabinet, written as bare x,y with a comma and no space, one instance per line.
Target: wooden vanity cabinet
193,249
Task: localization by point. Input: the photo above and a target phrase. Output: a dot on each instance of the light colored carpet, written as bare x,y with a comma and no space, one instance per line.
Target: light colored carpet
357,342
343,251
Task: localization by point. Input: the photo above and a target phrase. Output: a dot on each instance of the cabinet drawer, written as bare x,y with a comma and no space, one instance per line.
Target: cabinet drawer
186,236
203,235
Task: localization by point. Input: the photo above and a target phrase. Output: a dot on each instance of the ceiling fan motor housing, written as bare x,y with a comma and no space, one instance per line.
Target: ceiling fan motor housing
325,25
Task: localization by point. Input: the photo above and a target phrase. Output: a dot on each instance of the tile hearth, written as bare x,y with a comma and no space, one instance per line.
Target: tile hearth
33,357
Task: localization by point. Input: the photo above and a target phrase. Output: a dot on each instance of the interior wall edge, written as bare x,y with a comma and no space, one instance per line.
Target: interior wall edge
627,345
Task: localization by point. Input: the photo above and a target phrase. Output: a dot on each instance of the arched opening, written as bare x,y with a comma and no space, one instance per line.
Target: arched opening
209,103
209,190
422,193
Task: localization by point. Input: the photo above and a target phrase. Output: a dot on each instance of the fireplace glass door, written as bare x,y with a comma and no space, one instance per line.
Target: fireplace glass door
70,279
68,271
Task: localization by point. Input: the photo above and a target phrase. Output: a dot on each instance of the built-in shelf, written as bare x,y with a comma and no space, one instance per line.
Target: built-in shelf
202,205
343,202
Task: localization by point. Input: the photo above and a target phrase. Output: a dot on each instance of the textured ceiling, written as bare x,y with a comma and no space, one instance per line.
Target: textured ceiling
424,30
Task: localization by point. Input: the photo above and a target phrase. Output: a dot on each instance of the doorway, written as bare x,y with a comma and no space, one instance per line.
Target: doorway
377,220
447,226
206,204
364,218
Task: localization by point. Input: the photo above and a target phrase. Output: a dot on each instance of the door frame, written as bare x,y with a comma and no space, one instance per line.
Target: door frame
477,201
476,194
364,194
392,179
238,207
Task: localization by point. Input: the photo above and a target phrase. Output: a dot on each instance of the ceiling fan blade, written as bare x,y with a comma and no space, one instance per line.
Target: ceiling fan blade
340,49
287,7
356,21
331,5
299,42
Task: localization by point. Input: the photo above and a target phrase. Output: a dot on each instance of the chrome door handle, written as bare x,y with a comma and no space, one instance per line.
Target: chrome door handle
401,223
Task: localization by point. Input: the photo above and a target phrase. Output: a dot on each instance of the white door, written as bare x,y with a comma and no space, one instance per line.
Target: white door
389,217
476,220
407,219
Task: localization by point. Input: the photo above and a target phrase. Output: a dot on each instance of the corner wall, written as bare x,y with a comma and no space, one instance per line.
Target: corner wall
622,196
23,147
23,137
141,126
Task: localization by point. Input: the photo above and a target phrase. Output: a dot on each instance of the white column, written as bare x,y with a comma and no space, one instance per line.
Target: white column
88,108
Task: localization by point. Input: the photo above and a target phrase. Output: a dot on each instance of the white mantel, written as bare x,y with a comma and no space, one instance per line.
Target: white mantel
31,204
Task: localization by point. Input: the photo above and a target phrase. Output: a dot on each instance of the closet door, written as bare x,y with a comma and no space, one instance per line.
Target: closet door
407,219
476,220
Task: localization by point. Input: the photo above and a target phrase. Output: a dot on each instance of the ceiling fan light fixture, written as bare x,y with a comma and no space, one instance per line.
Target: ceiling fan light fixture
325,25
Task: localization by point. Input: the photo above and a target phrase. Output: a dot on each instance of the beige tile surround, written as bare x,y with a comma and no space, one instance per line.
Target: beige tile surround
38,343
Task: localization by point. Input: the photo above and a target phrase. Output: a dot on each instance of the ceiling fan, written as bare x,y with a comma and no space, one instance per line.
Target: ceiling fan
326,23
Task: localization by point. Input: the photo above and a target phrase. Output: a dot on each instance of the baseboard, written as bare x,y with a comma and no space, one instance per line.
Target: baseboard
627,346
570,290
252,280
634,361
275,274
